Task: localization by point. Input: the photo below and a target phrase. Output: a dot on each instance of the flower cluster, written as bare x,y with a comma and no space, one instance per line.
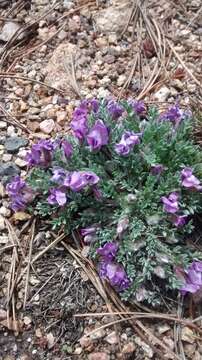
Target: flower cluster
171,203
111,270
128,140
126,177
190,181
40,154
75,181
114,109
20,194
137,106
192,278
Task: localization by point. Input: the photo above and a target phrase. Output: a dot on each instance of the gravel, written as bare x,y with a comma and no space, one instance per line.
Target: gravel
13,144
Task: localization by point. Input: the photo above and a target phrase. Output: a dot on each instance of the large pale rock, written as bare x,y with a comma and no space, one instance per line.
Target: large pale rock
56,71
114,18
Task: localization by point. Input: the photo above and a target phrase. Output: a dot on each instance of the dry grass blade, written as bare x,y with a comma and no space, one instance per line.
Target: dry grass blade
50,246
11,75
43,286
139,16
23,29
143,315
177,333
10,287
148,332
183,64
29,262
70,69
12,120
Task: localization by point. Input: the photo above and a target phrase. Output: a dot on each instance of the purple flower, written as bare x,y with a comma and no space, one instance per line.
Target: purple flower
97,192
114,109
90,177
89,234
58,175
128,140
193,278
67,148
98,136
20,193
94,104
108,251
171,203
79,127
88,231
57,196
75,181
190,181
156,169
180,220
115,274
40,154
138,106
78,180
174,114
79,121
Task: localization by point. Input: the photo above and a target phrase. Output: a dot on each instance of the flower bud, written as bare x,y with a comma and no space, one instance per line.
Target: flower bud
122,225
131,198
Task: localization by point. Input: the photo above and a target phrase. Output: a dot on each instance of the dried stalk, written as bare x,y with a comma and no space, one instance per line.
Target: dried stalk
9,118
29,263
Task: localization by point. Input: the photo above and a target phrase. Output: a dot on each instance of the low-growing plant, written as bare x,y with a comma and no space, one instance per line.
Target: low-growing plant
126,179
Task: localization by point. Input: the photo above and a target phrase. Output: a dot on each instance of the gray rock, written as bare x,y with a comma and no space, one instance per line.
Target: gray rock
13,144
4,3
7,171
55,72
114,18
8,30
68,4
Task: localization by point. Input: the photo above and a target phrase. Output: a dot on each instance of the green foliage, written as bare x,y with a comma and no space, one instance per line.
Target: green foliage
151,241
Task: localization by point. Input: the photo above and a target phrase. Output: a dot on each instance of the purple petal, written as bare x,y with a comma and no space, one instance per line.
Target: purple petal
108,251
98,136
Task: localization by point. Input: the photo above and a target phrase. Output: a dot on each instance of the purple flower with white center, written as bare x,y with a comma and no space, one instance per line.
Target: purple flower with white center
128,140
78,180
190,181
156,169
20,194
57,196
170,203
67,148
138,106
114,109
58,175
192,278
108,251
180,220
40,154
98,136
115,274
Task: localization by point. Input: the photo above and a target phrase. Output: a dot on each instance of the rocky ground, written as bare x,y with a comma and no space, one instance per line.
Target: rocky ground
52,53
